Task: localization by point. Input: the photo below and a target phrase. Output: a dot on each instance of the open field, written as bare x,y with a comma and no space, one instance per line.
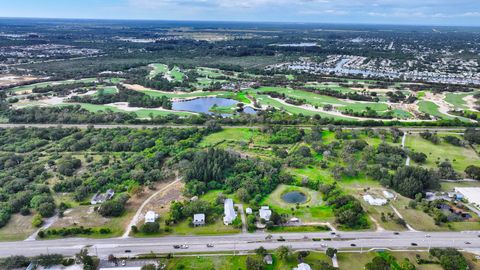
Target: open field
460,157
17,229
313,210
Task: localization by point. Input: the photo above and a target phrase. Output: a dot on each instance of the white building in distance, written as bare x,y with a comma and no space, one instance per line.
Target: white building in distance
374,201
265,213
151,216
198,220
472,194
303,266
229,211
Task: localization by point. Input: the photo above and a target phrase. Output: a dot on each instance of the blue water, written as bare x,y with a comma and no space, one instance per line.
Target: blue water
294,197
203,105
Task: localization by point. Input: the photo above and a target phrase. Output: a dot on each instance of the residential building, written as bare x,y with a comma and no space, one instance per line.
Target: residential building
229,211
265,213
303,266
151,216
268,259
198,220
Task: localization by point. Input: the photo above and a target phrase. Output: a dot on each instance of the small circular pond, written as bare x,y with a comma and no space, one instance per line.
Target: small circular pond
294,197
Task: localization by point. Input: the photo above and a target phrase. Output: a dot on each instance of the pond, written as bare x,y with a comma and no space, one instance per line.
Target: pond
294,197
203,105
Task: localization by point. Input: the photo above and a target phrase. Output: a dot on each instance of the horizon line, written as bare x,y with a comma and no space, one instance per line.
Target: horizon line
241,21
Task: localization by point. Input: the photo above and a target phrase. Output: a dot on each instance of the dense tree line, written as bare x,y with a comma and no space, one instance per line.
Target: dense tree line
24,178
134,99
348,210
250,179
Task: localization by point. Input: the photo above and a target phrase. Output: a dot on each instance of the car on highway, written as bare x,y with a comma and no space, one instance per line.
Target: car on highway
184,246
396,233
323,245
353,245
128,251
467,243
428,236
124,263
176,246
414,244
210,245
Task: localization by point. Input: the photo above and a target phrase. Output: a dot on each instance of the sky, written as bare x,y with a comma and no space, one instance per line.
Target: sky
411,12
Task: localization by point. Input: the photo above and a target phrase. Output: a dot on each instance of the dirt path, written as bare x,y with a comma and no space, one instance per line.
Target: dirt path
404,138
136,217
410,228
242,216
46,224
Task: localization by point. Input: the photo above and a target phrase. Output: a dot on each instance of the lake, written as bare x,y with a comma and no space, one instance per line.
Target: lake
203,105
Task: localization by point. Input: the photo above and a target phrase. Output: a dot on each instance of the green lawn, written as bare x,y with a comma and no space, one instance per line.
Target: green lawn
460,157
208,262
357,261
228,134
432,109
313,210
18,228
108,90
157,69
456,99
266,100
229,262
44,84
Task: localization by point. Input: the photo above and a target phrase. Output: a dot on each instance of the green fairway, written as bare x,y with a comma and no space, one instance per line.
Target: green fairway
263,99
456,99
228,134
109,90
157,69
432,109
29,87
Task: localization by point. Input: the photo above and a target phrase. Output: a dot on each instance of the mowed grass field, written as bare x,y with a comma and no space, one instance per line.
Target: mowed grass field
460,157
157,69
357,261
456,99
313,210
29,87
18,228
229,262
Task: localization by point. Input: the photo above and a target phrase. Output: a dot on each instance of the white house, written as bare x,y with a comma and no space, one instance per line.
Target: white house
229,211
198,220
249,211
374,201
303,266
265,213
151,216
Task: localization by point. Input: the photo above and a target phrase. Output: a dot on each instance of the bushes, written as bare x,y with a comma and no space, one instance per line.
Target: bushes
114,208
473,172
411,180
68,165
450,258
150,227
73,231
37,221
286,136
348,210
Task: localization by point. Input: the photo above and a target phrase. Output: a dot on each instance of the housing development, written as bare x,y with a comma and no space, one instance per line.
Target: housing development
218,145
